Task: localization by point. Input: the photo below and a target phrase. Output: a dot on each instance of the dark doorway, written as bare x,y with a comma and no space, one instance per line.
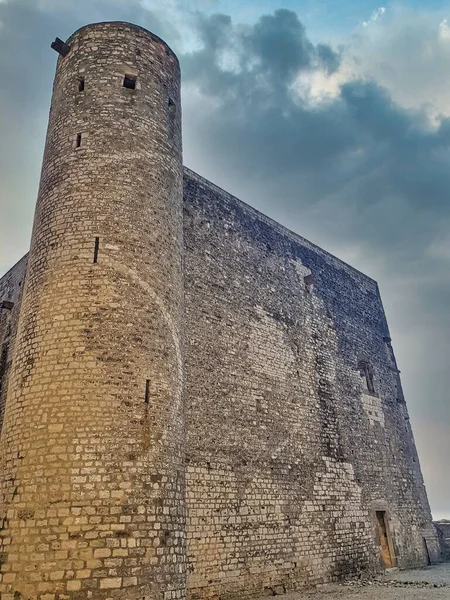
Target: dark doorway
427,554
383,534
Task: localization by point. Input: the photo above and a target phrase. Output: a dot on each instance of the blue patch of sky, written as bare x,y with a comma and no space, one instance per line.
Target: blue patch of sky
325,20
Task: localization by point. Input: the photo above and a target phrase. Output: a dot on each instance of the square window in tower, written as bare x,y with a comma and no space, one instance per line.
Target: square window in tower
129,82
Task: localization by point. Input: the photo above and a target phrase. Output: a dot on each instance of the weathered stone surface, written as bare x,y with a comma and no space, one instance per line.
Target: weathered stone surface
11,286
289,454
443,530
271,408
100,327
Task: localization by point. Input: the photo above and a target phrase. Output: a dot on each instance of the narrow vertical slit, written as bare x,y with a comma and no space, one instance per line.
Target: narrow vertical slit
3,361
147,391
78,142
96,246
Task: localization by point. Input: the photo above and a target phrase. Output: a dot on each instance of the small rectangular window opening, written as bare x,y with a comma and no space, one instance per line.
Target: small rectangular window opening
309,281
129,82
6,304
81,84
366,371
171,104
96,246
78,142
147,391
369,379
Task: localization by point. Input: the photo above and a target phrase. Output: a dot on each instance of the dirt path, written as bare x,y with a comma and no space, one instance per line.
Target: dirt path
432,583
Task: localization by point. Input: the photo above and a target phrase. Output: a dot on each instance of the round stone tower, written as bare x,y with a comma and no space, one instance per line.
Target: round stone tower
92,447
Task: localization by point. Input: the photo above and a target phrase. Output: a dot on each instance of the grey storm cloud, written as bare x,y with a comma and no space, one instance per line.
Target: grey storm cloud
269,54
357,173
379,170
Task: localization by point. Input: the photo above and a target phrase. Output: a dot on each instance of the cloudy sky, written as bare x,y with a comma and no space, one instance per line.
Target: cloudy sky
330,116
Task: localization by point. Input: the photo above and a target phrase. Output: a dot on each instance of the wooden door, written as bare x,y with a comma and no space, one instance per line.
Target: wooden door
383,534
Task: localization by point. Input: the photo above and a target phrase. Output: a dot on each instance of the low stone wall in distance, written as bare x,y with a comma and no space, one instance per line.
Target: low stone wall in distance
443,529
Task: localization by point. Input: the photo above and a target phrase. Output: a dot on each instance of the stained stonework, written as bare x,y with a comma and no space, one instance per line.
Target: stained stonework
92,444
289,456
443,530
197,402
11,287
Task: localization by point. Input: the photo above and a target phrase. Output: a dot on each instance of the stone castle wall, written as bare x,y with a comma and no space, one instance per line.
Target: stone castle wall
219,369
289,455
443,530
11,287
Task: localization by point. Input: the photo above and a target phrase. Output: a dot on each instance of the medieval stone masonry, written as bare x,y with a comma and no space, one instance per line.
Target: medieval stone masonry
195,402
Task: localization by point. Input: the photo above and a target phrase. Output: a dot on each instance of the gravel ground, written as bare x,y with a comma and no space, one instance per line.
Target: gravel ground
440,575
432,583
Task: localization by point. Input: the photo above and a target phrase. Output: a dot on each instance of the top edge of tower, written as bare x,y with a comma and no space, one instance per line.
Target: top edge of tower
124,24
